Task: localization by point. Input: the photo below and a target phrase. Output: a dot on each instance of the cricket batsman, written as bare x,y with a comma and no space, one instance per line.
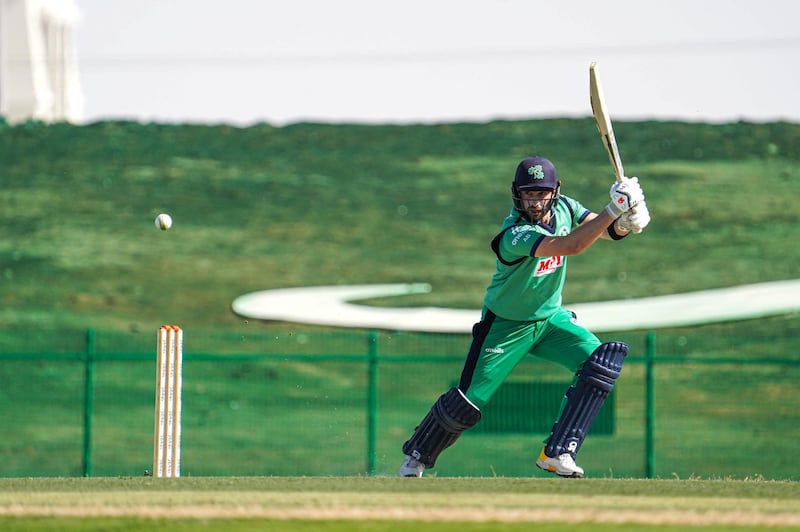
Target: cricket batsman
522,315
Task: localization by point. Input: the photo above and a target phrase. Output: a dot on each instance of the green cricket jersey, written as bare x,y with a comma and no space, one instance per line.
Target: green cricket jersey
524,287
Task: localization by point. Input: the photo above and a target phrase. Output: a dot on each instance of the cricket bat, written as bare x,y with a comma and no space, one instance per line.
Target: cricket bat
603,121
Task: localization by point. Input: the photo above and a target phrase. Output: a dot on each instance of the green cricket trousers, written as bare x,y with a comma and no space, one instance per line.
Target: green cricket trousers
498,345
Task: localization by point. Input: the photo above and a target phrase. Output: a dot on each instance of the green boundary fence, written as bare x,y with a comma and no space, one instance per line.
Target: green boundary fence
689,418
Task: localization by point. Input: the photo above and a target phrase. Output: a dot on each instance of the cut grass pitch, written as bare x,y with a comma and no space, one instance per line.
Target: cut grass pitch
360,503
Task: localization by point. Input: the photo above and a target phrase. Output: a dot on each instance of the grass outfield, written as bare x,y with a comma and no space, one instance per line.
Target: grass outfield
361,503
307,204
261,207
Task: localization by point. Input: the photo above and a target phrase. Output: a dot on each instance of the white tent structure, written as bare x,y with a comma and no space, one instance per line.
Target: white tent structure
38,61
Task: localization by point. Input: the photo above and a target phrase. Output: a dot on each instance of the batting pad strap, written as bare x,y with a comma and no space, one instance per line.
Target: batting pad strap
595,380
449,416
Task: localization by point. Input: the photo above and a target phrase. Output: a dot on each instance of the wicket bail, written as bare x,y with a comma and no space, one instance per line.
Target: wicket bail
167,444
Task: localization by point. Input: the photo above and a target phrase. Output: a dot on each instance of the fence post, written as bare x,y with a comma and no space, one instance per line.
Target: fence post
372,401
88,401
649,405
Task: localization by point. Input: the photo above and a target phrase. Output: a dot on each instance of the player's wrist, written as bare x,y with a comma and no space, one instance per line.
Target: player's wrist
617,232
621,227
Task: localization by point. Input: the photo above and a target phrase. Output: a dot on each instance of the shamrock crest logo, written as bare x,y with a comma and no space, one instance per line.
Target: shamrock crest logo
536,171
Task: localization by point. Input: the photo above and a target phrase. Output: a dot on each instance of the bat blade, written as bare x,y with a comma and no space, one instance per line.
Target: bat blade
603,121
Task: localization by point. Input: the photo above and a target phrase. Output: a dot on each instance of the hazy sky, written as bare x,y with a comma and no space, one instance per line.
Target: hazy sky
244,61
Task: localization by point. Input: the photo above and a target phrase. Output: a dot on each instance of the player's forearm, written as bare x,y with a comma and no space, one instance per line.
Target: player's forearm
578,240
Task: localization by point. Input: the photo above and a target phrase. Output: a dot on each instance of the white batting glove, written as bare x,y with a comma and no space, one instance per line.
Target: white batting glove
634,219
624,195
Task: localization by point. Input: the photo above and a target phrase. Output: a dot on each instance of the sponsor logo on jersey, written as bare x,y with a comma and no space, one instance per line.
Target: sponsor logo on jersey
495,350
548,265
520,233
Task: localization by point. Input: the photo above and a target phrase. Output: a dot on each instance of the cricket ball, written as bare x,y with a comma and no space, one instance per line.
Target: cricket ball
163,221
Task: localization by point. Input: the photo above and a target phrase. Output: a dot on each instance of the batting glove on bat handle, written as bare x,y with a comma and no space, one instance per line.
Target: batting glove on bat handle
624,195
635,219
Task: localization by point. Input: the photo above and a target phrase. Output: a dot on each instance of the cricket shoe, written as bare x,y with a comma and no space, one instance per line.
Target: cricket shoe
411,467
563,465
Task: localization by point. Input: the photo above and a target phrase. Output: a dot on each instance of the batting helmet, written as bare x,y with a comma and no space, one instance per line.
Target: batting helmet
534,173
